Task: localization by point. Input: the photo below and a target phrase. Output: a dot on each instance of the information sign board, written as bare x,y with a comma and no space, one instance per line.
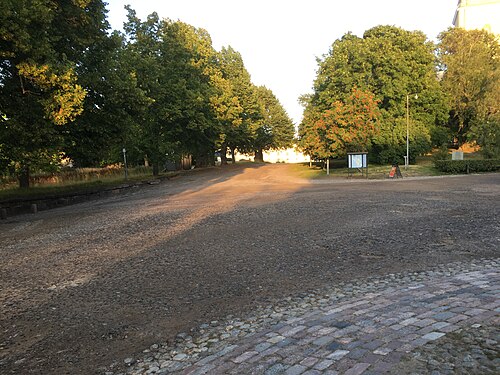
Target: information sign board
358,161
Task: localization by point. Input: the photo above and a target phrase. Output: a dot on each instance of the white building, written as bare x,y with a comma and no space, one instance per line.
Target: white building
289,155
478,14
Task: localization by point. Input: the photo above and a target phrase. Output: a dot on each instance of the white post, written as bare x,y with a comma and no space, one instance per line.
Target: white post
125,162
328,166
407,159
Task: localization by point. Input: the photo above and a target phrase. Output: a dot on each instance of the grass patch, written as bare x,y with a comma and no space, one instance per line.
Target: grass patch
374,171
75,184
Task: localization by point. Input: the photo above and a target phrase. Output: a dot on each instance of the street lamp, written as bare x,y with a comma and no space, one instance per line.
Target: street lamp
407,157
125,162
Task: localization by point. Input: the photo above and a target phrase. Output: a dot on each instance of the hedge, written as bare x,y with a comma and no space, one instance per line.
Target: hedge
468,166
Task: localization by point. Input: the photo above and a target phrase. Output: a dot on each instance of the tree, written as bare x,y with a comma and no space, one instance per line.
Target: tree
237,134
171,61
276,130
113,100
41,45
226,106
347,126
390,63
470,61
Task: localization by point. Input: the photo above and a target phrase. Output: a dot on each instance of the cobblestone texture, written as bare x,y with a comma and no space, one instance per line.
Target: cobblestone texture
443,321
471,350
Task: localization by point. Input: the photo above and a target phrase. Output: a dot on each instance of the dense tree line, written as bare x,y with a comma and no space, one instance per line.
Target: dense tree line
71,89
450,90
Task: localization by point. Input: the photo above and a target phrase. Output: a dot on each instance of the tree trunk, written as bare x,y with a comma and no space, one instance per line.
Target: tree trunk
233,157
24,177
259,155
156,167
223,158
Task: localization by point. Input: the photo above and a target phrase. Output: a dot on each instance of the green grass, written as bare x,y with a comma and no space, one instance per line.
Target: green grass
424,168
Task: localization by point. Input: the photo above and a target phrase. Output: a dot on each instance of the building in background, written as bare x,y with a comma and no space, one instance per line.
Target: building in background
289,155
478,14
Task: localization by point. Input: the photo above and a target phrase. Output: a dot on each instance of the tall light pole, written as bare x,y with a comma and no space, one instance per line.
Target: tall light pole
125,162
407,158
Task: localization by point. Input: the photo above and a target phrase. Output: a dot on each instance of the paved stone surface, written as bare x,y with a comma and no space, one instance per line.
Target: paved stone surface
372,327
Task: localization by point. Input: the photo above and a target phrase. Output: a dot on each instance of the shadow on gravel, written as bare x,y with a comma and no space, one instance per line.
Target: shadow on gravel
105,285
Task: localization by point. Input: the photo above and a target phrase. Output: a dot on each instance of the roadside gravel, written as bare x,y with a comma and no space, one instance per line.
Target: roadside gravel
86,285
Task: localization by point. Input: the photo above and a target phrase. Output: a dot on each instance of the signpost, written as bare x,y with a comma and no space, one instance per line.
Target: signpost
357,161
395,171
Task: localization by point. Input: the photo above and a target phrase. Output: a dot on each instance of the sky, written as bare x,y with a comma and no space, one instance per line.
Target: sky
280,40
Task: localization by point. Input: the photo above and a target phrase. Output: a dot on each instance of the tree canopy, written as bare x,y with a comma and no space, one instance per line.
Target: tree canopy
71,89
42,44
470,61
390,63
348,125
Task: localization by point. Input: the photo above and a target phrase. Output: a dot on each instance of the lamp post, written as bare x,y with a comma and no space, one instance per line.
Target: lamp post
125,162
407,158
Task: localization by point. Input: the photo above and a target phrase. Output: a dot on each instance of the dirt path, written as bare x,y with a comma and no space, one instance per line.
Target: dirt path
85,285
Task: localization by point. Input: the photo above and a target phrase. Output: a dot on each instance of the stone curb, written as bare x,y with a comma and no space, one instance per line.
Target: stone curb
14,207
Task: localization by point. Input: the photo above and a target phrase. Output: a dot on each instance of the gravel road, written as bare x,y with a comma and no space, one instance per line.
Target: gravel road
85,285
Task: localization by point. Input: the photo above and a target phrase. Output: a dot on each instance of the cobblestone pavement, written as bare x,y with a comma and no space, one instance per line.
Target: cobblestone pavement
392,324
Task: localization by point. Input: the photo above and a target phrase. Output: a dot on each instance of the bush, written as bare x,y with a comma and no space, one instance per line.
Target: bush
441,154
467,166
440,136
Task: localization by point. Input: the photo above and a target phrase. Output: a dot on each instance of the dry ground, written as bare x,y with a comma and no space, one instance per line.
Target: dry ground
85,285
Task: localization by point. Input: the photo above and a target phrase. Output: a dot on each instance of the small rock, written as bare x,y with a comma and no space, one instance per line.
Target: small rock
129,361
180,357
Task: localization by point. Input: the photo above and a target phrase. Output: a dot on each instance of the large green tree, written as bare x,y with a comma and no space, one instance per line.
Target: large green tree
112,104
276,129
42,43
238,133
349,125
470,61
390,63
256,120
171,61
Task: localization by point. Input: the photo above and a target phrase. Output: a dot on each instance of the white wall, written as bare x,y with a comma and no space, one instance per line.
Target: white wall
289,155
478,14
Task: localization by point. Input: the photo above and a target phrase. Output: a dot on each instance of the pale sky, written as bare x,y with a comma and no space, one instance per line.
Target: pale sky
279,40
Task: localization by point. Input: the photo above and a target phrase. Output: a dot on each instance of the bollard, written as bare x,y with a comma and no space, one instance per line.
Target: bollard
34,208
3,213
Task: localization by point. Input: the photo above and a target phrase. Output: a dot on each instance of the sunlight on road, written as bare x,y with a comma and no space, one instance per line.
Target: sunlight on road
252,187
81,244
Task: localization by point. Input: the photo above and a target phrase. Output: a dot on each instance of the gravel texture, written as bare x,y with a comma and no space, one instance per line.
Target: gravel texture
86,285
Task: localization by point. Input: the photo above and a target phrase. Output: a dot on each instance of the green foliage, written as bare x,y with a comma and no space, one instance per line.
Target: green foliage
172,63
159,90
241,106
468,166
348,125
441,154
486,133
252,118
440,135
276,130
470,61
113,99
391,63
42,44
